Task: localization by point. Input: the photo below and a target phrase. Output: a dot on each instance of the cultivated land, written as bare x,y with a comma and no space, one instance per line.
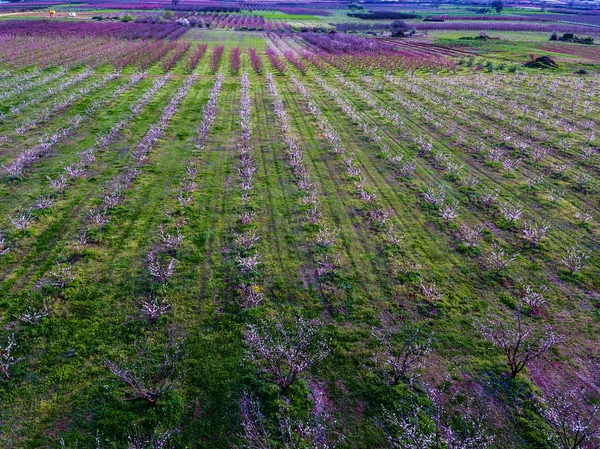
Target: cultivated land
220,238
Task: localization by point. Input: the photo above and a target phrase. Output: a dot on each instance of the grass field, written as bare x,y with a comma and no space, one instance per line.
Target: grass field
238,200
273,15
229,39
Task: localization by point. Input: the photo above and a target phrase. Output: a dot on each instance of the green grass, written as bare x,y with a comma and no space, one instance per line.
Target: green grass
228,38
276,15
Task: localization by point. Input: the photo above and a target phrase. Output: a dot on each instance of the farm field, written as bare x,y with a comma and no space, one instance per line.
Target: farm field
219,238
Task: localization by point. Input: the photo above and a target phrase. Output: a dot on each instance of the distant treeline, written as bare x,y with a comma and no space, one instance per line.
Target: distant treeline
382,15
361,26
192,7
9,7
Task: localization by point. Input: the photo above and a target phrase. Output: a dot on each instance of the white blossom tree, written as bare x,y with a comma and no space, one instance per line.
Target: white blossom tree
496,259
7,358
574,259
574,423
521,342
435,427
284,351
290,432
158,440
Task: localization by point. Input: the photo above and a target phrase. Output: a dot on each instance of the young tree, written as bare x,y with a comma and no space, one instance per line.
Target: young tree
533,298
158,269
284,351
511,211
519,341
154,308
4,249
431,292
575,259
62,276
497,260
535,232
470,237
7,359
251,295
158,440
34,316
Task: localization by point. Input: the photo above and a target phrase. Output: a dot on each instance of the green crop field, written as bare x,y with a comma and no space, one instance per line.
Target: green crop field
218,238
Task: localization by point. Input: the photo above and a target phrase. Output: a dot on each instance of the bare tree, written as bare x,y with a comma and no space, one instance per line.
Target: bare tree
539,153
584,216
283,352
43,202
519,341
172,241
581,181
402,351
247,240
148,377
393,237
99,217
328,264
407,169
449,212
470,430
58,184
574,423
299,434
435,195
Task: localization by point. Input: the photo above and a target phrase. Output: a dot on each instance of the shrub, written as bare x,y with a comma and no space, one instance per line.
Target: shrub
398,28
